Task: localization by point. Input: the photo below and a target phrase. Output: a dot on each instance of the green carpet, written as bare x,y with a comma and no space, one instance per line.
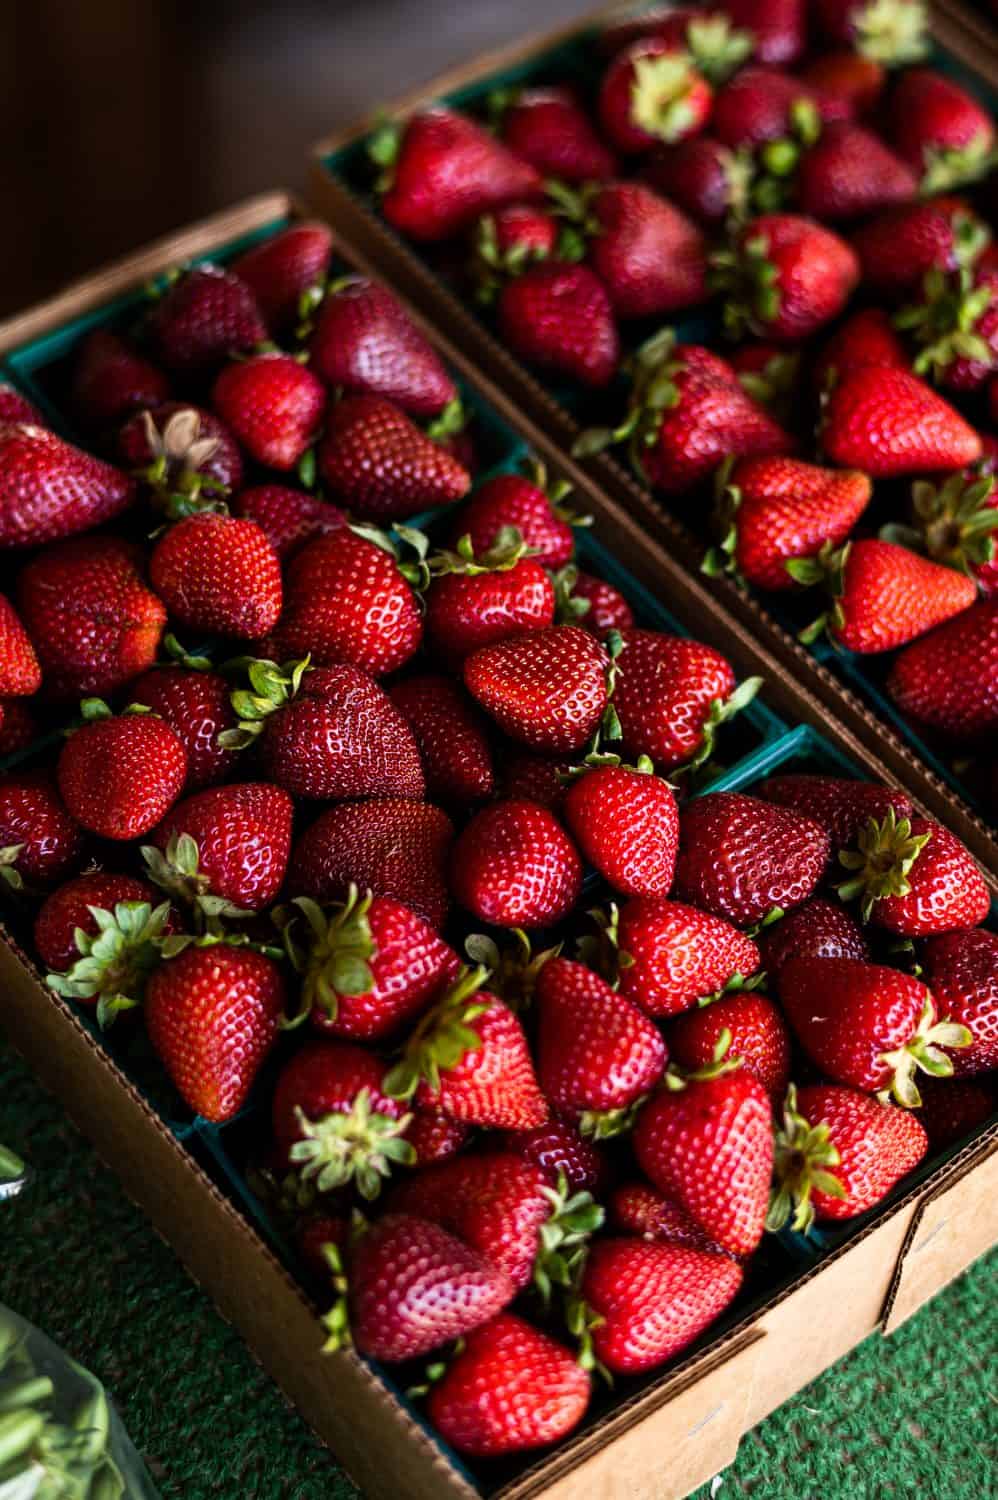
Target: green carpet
911,1416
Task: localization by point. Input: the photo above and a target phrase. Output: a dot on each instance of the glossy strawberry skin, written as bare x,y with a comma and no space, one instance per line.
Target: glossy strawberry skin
961,969
637,1209
818,929
649,256
889,424
273,405
282,268
549,128
288,518
243,834
33,815
224,465
514,866
949,678
558,318
663,694
931,113
700,175
890,596
840,804
948,891
513,500
545,688
68,908
120,776
381,466
678,954
219,574
434,1138
466,611
627,825
197,707
816,272
758,105
865,338
365,343
559,1151
608,609
49,489
205,316
898,247
619,116
778,30
537,778
494,1083
758,1036
878,1144
17,408
789,509
20,674
110,380
18,725
849,174
523,232
451,737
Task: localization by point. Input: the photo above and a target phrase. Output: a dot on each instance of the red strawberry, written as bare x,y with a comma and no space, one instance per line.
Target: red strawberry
635,1208
39,840
69,908
282,269
272,404
477,599
389,846
18,726
740,857
583,599
204,317
196,705
962,970
381,465
506,241
433,1137
850,173
840,804
94,623
549,128
672,695
770,375
526,502
704,178
653,1300
865,338
451,737
120,776
882,594
366,344
534,777
17,408
838,1152
866,1025
110,380
213,1014
949,679
850,76
597,1053
626,824
50,489
559,1150
514,866
754,1031
940,130
649,256
443,171
230,843
914,877
776,27
651,92
288,518
219,574
510,1388
545,688
818,929
182,453
893,34
784,278
773,510
898,247
888,423
762,105
558,318
20,674
677,955
951,1108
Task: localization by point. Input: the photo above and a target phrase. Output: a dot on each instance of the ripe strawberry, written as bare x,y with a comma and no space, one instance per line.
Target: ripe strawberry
677,955
20,674
583,599
838,1152
649,256
882,594
381,465
182,453
50,489
272,404
197,706
18,726
219,574
704,178
510,1388
388,846
514,866
535,777
672,695
110,380
818,929
850,173
626,824
450,735
70,907
477,599
850,76
838,803
651,92
762,105
282,269
366,344
288,518
549,128
558,318
898,247
213,1014
545,688
434,1138
914,877
348,601
506,241
952,1107
784,278
39,840
559,1151
640,1210
962,970
17,408
597,1053
528,503
442,171
776,27
120,776
940,130
93,622
773,510
949,679
202,319
229,844
892,34
740,857
865,338
755,1033
653,1300
889,423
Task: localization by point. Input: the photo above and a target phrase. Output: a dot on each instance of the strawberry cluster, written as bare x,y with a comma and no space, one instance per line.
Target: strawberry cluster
803,180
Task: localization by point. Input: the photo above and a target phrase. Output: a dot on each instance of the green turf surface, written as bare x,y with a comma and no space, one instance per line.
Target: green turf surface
916,1415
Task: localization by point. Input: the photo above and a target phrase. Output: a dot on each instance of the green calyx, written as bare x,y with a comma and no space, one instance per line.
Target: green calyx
114,965
514,969
358,1146
333,952
750,283
892,32
270,688
448,423
600,950
922,1053
654,369
660,96
771,386
10,875
955,521
952,168
506,551
569,607
557,492
493,267
177,871
722,558
336,1321
175,472
945,321
718,48
677,1079
737,984
383,150
581,1321
564,1237
827,568
721,711
802,1158
443,1036
406,544
882,862
607,1124
183,658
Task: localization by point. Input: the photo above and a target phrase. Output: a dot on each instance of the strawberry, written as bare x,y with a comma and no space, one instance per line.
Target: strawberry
776,27
559,1151
50,489
865,338
284,268
892,32
753,1029
949,679
20,674
450,735
196,705
72,905
549,128
506,242
953,1107
389,846
39,839
558,317
838,803
583,599
272,404
348,601
635,1208
955,521
509,1388
381,465
434,1138
546,688
93,622
889,423
704,178
514,866
203,317
213,1014
850,76
818,929
677,955
17,408
653,1300
535,777
914,877
839,1152
898,247
218,574
229,844
940,130
468,1058
882,595
740,857
626,824
649,256
119,776
651,92
18,726
108,936
477,599
773,510
442,171
597,1053
962,970
288,518
183,453
850,173
529,504
784,278
110,380
955,319
764,110
866,1025
366,344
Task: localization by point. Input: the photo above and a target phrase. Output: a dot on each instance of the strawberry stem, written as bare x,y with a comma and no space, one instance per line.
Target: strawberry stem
803,1154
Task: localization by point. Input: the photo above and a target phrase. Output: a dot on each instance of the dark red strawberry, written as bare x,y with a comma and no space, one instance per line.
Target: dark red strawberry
865,338
120,776
218,574
882,594
229,844
545,688
197,706
894,33
677,955
17,408
850,76
202,318
747,1027
583,599
435,1138
514,866
818,929
450,735
777,27
535,777
18,726
39,840
706,179
626,824
549,128
381,465
784,277
69,908
110,380
477,599
850,173
940,130
949,679
649,256
20,674
889,423
962,970
650,93
366,344
952,1107
288,518
282,269
672,695
914,877
506,241
558,317
898,247
530,504
635,1208
50,489
761,105
559,1151
183,453
272,404
839,803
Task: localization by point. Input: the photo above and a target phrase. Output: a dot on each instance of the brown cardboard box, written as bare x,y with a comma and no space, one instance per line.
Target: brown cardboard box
696,1410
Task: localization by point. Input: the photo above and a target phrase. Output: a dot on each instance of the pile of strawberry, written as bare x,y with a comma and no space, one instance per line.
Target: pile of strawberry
804,177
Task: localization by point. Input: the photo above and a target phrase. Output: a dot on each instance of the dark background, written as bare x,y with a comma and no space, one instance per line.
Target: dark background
122,119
